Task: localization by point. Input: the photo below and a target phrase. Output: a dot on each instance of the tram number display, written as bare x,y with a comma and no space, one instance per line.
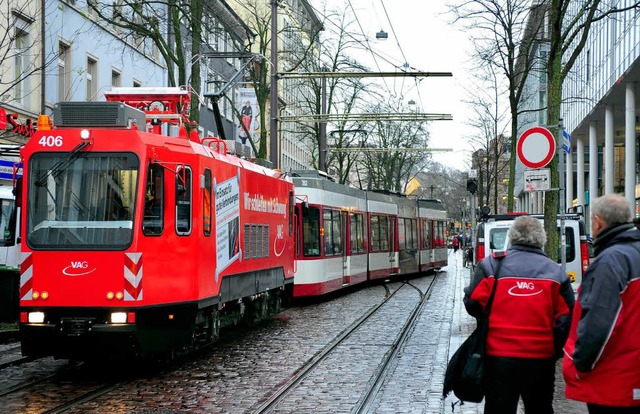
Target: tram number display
51,141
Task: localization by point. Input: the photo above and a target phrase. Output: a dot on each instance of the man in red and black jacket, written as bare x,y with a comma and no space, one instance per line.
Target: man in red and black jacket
602,356
529,320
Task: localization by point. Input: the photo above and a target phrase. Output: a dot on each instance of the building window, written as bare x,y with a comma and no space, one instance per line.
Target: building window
21,65
116,78
64,71
92,79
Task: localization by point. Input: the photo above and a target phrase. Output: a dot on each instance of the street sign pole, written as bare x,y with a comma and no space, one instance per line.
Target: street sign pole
560,152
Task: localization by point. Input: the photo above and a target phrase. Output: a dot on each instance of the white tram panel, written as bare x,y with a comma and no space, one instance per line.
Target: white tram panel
432,257
407,235
327,273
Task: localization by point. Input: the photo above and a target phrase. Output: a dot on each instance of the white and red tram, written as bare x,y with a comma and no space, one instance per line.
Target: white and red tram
348,236
331,251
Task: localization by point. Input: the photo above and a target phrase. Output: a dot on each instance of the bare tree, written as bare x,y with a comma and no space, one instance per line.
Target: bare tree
159,25
395,150
22,59
343,96
490,122
447,185
505,33
258,18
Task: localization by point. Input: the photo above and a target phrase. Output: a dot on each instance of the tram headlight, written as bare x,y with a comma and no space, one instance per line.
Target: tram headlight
36,317
85,134
119,317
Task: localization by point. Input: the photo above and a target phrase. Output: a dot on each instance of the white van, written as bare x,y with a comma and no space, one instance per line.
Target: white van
491,235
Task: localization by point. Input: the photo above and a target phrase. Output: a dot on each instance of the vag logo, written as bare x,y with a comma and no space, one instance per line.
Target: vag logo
77,268
79,265
523,288
525,285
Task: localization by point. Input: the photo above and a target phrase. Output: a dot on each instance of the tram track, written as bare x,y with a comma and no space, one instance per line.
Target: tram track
381,372
13,360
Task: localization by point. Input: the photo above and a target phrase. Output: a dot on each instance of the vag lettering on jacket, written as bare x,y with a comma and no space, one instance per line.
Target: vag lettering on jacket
523,288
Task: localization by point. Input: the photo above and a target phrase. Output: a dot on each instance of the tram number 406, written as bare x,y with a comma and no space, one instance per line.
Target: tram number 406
51,141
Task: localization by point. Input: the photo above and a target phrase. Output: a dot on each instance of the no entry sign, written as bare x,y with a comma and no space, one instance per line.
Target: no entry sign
536,147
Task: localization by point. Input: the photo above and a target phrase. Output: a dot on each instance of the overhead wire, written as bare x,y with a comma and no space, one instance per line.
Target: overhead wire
405,66
367,46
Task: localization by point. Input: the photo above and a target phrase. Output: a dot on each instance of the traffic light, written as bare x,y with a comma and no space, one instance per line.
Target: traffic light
472,185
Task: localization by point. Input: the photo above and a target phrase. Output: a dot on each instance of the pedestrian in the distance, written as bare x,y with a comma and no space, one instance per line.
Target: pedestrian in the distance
602,355
455,243
529,320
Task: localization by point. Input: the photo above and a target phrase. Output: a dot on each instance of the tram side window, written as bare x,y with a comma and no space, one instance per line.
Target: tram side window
357,232
374,228
183,200
426,234
332,232
206,203
153,220
412,235
379,233
311,231
440,235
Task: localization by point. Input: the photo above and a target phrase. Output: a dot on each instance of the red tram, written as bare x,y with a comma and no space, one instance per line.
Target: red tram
141,243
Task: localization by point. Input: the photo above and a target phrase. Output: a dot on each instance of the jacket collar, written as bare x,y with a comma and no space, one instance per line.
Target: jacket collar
613,234
526,248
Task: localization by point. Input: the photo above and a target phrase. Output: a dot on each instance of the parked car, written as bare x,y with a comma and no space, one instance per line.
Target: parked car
491,235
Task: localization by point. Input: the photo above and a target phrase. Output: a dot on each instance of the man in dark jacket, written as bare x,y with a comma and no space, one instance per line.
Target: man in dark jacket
529,320
602,355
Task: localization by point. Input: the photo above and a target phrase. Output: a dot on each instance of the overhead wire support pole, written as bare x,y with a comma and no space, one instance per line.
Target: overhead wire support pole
390,149
368,116
323,118
561,186
310,75
273,92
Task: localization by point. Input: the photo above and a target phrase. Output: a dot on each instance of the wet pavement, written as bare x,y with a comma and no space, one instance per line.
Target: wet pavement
239,373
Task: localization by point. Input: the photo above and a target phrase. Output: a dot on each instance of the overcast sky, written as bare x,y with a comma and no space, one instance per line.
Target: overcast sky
420,34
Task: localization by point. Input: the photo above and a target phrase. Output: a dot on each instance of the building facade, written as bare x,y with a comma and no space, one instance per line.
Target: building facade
599,110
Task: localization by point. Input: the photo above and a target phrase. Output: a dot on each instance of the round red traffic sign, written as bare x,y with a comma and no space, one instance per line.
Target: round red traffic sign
536,147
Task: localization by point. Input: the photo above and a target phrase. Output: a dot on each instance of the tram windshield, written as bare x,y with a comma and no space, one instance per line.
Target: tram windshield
83,202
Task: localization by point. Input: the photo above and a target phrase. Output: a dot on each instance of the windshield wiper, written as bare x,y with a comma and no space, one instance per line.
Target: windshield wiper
63,163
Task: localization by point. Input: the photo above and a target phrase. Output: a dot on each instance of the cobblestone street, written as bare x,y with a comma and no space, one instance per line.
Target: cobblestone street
239,373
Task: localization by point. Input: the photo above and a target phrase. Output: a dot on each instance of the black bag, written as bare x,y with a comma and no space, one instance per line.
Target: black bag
465,371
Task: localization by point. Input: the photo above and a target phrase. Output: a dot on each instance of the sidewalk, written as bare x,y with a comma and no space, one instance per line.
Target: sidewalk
463,324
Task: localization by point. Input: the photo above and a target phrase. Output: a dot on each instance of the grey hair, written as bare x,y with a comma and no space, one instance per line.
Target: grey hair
527,230
612,209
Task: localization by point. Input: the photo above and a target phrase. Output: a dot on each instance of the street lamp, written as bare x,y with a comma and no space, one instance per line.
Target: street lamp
382,35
